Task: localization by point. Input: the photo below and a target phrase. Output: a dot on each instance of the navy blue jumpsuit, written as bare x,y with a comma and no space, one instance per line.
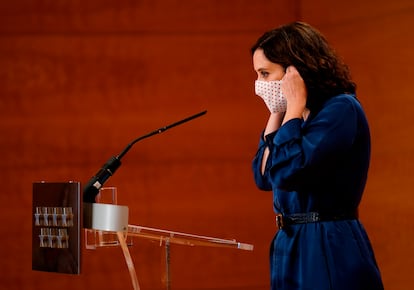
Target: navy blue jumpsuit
320,165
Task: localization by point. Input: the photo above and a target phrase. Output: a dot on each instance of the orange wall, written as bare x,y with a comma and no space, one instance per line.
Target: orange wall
79,80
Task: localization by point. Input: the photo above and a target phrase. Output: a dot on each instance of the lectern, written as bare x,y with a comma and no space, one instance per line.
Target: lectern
56,222
108,226
56,230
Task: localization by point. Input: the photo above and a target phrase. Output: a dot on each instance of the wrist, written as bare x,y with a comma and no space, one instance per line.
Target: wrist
274,122
292,114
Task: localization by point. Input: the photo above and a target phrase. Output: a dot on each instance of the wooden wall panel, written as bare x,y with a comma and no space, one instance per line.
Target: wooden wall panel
79,80
144,16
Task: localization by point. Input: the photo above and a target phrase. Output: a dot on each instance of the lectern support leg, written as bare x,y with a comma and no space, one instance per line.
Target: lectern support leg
128,260
167,264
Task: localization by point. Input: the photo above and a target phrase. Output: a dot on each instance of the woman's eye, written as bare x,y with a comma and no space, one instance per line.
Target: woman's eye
264,74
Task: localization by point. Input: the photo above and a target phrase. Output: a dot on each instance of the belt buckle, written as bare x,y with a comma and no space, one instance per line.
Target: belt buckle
279,221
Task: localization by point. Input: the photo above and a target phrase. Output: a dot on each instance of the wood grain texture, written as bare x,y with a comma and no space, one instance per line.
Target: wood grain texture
81,79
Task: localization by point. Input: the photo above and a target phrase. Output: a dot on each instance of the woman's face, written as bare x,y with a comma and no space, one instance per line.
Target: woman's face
265,69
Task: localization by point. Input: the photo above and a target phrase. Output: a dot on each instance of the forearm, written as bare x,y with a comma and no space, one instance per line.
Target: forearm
274,123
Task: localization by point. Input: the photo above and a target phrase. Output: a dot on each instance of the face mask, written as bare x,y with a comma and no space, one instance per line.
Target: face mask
271,93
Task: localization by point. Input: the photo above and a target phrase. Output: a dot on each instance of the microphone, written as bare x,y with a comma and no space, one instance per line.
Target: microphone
108,169
97,181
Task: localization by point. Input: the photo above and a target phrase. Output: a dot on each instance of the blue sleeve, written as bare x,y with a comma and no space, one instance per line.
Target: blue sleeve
300,150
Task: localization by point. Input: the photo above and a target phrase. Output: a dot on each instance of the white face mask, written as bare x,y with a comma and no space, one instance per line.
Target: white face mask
271,93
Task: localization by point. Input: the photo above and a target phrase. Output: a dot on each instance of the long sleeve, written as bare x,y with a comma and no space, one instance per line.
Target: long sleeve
302,151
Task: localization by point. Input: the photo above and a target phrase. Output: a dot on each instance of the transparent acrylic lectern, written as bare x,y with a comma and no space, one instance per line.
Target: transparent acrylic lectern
106,224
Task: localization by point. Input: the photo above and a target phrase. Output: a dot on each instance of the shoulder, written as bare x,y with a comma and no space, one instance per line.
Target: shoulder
341,109
343,103
345,99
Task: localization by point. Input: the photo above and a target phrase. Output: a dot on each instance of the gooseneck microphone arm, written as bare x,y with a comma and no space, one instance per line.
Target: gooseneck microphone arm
108,169
158,131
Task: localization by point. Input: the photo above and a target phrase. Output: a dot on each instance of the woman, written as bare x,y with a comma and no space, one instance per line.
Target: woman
314,155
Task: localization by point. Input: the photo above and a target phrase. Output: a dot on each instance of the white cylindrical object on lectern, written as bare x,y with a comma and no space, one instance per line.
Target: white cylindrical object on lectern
109,217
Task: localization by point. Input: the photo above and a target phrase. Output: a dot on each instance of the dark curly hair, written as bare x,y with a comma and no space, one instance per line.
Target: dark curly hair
304,47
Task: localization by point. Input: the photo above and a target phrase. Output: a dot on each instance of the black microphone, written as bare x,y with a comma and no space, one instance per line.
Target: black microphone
98,180
108,169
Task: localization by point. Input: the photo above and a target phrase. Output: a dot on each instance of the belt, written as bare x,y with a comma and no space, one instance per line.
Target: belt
311,217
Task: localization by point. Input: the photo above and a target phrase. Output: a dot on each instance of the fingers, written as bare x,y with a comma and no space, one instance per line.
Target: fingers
294,88
293,77
291,70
